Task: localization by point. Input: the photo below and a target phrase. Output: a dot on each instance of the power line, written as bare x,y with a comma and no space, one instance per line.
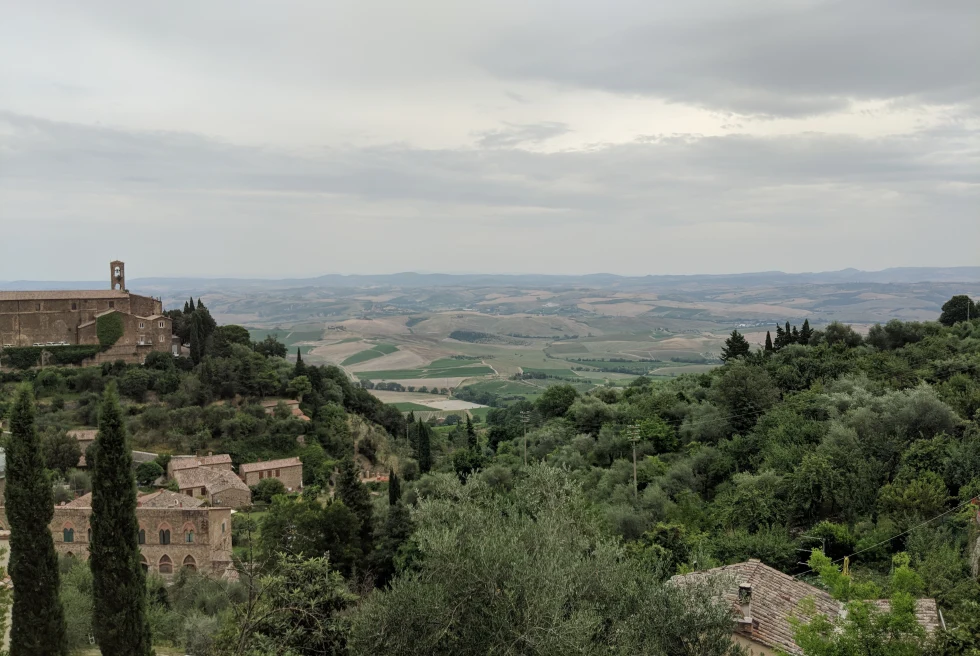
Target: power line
878,544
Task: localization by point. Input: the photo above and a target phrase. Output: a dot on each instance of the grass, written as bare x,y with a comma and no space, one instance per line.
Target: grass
564,373
376,351
406,406
444,368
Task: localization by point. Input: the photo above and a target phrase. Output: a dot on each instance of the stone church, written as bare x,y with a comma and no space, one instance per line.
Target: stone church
71,317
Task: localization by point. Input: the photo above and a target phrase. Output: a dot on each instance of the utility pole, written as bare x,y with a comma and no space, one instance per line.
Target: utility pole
633,435
525,418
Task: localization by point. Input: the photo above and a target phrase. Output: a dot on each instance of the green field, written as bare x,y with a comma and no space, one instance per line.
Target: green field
562,373
637,368
376,351
444,368
286,336
410,407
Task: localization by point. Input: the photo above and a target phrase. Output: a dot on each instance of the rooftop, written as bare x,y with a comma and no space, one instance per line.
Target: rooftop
189,462
269,464
67,294
213,480
775,598
168,499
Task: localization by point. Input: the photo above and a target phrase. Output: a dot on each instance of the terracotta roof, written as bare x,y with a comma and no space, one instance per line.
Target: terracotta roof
272,403
213,480
775,597
63,295
188,462
84,434
84,501
168,499
269,464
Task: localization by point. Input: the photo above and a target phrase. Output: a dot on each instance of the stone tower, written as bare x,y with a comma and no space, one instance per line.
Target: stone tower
117,273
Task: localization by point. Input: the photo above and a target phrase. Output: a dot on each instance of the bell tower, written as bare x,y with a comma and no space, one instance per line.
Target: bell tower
117,275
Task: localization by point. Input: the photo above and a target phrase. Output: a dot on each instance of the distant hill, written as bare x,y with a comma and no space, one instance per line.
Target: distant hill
899,275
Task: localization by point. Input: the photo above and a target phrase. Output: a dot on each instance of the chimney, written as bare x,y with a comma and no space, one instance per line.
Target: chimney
745,602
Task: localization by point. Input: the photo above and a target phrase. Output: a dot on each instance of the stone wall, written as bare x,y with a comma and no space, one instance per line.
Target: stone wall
291,477
232,498
29,322
209,550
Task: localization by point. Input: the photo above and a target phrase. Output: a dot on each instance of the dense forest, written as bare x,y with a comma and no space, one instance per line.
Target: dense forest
536,532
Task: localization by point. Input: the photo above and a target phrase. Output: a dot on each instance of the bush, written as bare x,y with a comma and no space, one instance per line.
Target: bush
147,472
266,489
134,384
109,328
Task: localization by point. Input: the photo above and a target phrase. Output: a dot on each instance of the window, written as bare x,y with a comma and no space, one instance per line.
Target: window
261,475
142,325
74,306
90,535
277,473
68,535
112,304
142,538
37,307
164,536
166,565
222,527
190,564
160,325
204,491
189,537
189,493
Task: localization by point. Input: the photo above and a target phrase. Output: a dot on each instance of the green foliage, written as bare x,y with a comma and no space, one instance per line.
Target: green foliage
109,328
355,496
266,489
121,624
38,621
556,400
959,308
147,472
308,527
736,346
533,569
25,357
60,451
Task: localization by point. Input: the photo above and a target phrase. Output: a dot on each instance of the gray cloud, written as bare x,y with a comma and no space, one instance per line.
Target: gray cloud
769,58
827,199
515,135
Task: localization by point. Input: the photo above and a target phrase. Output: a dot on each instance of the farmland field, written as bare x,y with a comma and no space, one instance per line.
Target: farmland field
376,351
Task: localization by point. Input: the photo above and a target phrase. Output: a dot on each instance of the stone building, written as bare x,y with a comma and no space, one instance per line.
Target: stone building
219,487
219,461
71,317
174,532
288,470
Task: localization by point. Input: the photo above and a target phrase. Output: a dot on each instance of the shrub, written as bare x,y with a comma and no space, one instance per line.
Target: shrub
109,328
266,489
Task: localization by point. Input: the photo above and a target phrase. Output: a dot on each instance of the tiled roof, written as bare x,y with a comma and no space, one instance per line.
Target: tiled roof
168,499
63,295
926,613
269,464
775,597
84,434
213,480
84,501
189,462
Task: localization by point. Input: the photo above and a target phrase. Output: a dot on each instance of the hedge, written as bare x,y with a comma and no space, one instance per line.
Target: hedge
25,357
109,328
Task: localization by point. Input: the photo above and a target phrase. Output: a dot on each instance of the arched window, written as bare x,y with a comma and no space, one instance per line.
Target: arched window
68,535
166,565
189,537
164,536
142,538
189,563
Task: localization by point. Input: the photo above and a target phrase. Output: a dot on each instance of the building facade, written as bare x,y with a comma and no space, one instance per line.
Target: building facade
70,317
287,470
174,532
219,487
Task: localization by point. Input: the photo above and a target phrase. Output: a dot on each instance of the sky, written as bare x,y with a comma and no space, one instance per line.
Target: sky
303,137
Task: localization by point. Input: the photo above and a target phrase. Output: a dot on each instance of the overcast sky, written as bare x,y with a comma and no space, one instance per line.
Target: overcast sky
249,137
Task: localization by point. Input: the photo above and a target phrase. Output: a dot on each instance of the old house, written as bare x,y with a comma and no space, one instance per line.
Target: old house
174,532
763,600
287,470
219,487
219,461
72,318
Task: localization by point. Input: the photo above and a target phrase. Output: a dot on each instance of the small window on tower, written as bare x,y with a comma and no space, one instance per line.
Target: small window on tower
37,307
142,326
74,306
161,325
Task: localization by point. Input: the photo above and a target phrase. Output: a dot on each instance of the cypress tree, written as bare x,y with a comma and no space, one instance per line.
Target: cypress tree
796,336
424,447
186,309
356,497
197,339
768,342
119,584
394,489
38,625
470,433
780,340
300,369
806,333
190,308
788,333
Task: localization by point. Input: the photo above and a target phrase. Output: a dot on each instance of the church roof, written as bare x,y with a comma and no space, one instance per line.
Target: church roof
63,295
